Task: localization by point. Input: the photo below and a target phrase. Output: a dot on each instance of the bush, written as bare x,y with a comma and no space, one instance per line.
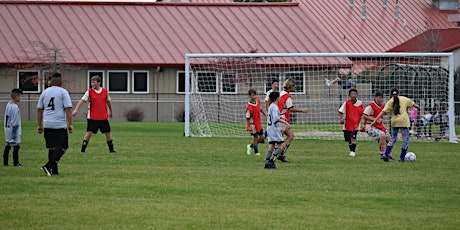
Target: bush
134,114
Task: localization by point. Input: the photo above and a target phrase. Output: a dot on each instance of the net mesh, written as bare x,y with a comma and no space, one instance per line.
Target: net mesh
219,89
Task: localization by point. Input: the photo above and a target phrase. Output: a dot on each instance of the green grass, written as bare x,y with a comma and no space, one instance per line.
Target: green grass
159,179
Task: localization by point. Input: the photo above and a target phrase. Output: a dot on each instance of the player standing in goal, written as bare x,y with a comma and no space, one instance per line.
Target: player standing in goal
397,106
353,111
286,106
253,122
274,133
378,131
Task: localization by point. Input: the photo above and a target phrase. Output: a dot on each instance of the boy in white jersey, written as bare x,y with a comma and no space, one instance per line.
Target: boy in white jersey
12,128
54,108
274,132
98,118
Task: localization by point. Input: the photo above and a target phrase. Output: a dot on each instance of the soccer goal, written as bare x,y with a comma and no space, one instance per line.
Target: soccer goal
217,88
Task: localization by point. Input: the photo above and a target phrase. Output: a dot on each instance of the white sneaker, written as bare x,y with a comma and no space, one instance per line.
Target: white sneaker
352,154
328,82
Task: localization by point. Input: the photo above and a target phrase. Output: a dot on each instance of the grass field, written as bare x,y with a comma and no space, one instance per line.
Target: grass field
159,179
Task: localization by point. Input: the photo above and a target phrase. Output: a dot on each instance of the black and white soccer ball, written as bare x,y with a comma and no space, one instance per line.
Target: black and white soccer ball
410,157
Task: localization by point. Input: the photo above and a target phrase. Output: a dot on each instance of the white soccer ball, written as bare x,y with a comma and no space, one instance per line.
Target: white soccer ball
410,157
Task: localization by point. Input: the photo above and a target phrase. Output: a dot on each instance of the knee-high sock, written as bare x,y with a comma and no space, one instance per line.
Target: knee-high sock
6,152
16,155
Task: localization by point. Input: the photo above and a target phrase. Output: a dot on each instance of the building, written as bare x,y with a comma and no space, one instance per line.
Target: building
139,47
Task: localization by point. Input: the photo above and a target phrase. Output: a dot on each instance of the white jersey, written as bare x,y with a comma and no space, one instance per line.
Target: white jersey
273,126
12,121
54,100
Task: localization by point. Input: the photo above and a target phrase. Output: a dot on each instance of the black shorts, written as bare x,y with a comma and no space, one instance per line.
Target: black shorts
348,135
276,142
95,125
56,138
259,133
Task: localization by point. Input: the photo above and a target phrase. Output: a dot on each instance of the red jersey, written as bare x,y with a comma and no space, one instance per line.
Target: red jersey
377,109
97,104
255,113
353,113
284,96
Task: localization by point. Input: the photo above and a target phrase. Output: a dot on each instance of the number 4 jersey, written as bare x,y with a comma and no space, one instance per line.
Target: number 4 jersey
53,101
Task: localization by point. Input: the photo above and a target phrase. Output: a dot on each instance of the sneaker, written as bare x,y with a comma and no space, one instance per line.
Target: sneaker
328,82
282,158
46,171
248,149
18,165
352,154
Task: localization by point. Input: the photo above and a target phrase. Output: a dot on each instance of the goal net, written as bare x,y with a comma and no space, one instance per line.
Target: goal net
217,88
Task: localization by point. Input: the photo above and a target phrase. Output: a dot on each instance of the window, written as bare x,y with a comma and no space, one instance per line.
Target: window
299,79
118,82
29,81
180,83
228,83
92,73
206,82
269,79
46,78
140,81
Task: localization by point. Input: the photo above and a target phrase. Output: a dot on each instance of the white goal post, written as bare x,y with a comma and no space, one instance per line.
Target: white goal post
216,89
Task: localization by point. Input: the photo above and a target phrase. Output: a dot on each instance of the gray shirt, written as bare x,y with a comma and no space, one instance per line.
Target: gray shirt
53,101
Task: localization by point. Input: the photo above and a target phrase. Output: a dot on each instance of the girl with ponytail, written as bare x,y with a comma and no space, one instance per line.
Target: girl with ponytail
397,106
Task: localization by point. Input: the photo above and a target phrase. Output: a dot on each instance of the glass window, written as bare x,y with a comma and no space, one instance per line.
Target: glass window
92,73
29,81
206,82
299,79
228,83
118,81
140,81
269,79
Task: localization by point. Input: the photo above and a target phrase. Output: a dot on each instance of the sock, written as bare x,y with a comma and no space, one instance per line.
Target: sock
256,149
6,152
268,156
83,145
110,144
278,152
350,146
16,155
388,150
353,147
285,150
403,154
52,156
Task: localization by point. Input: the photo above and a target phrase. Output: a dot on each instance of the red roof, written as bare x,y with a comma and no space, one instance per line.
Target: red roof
379,31
436,40
153,33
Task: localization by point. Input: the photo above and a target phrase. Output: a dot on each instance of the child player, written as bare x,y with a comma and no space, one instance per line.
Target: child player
274,132
378,131
12,128
253,122
353,111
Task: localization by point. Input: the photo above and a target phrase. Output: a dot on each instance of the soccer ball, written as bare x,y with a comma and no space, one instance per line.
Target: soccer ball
410,157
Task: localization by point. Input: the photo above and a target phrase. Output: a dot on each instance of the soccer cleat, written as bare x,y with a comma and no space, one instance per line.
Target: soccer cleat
352,154
46,171
256,154
83,148
382,156
401,160
270,165
18,165
328,82
282,158
112,151
248,149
